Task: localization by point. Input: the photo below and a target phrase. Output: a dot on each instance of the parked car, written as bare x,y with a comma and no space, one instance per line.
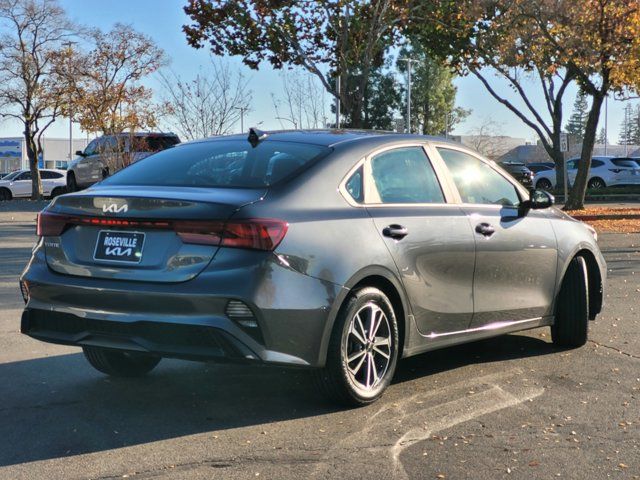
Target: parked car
108,154
18,184
336,251
520,172
536,167
604,172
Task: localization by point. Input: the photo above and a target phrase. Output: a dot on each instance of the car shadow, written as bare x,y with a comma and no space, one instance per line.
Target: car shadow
58,406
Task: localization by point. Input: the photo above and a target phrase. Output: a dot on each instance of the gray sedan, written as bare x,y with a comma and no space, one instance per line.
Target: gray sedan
337,251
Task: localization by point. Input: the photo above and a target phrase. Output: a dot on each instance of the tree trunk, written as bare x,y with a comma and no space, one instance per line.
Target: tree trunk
576,196
32,155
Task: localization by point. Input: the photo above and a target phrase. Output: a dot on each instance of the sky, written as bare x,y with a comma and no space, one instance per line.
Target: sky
162,21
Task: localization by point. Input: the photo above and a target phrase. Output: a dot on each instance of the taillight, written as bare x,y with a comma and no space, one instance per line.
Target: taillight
255,233
51,224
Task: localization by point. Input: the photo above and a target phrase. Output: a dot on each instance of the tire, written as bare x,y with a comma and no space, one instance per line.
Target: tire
363,379
57,191
120,363
5,194
544,184
72,185
596,183
571,325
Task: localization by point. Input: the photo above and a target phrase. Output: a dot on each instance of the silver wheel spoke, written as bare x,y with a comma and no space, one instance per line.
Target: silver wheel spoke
374,370
356,356
356,369
380,352
363,333
353,331
376,324
369,366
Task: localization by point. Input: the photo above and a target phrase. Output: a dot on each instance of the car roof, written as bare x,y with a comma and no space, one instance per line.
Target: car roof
328,137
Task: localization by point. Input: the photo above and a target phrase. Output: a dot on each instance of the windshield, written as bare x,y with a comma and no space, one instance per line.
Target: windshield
12,175
221,163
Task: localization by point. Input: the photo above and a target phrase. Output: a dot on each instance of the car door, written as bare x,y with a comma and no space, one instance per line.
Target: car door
430,240
516,254
83,168
21,186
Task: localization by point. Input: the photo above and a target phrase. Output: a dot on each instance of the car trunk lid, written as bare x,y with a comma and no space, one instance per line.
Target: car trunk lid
150,234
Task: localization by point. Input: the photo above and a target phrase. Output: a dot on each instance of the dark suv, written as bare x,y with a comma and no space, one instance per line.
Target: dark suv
520,172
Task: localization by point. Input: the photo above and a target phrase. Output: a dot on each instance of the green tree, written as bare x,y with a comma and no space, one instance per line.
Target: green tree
595,43
433,94
578,119
602,137
634,129
345,37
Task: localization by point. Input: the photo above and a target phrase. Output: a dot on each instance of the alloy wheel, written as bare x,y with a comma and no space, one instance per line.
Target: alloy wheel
367,347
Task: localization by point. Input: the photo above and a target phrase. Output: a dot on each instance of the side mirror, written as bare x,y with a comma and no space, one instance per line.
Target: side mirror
541,199
80,153
538,200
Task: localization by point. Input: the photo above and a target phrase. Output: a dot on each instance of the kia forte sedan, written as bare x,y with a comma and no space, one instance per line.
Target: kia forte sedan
337,251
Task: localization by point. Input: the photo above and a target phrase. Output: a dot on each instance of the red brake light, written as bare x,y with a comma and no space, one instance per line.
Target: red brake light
256,234
51,224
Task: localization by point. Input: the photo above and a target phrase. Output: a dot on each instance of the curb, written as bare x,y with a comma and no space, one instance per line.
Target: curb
586,218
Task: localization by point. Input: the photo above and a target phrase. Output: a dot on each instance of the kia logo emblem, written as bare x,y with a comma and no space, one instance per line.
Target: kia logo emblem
114,208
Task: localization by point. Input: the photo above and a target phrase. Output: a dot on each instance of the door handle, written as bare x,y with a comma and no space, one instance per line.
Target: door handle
485,229
397,232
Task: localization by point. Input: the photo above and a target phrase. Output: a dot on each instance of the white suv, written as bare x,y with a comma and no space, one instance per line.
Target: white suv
18,184
604,172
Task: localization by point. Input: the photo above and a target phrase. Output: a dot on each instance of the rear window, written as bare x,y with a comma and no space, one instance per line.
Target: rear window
153,143
222,163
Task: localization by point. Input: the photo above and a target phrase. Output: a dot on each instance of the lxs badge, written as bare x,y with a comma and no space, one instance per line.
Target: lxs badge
117,246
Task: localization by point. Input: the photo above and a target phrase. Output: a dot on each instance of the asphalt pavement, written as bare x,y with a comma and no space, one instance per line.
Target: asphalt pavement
512,407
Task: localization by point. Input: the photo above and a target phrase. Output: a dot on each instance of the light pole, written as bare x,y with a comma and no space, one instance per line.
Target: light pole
242,110
606,122
338,102
69,44
409,62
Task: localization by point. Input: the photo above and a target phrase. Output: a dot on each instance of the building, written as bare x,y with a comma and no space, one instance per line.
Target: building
13,153
491,146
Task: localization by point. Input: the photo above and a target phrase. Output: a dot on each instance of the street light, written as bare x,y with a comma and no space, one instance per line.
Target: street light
242,110
409,62
69,44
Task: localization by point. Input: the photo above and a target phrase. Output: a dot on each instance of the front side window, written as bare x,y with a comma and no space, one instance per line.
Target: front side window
623,162
24,176
405,175
477,182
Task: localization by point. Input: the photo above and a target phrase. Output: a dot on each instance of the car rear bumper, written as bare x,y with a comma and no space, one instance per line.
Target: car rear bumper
189,319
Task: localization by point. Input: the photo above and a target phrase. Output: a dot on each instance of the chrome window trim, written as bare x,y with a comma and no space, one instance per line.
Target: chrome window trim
369,190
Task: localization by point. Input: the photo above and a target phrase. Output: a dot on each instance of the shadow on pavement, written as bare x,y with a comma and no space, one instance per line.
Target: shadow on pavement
58,406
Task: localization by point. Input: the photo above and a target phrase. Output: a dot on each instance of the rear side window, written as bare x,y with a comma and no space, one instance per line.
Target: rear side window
355,186
597,163
47,175
405,175
221,163
477,182
624,162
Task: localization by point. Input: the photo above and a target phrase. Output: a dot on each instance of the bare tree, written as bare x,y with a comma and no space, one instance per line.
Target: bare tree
486,139
209,104
304,103
29,89
104,82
